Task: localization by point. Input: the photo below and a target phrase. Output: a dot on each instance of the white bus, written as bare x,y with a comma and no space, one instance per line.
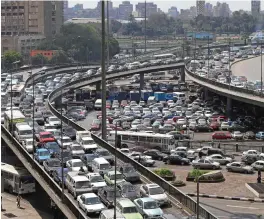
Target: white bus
165,56
17,179
162,142
17,92
11,119
180,96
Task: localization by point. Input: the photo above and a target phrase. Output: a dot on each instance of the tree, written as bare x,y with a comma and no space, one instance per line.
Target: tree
39,59
9,58
115,25
60,57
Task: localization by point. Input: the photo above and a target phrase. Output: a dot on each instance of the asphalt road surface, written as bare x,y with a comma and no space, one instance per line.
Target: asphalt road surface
250,68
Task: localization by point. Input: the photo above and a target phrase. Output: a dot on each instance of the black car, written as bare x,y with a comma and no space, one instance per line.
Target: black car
87,159
66,154
38,117
69,131
178,135
155,154
185,155
129,173
105,154
236,127
107,195
176,159
127,190
46,114
203,128
57,175
51,164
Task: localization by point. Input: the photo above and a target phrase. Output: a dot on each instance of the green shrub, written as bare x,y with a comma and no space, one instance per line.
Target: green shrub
197,173
163,172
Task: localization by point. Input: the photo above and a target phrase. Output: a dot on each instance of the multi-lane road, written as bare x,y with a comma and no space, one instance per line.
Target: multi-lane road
251,68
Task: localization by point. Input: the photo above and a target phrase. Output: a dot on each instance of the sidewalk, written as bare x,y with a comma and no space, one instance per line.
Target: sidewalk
26,211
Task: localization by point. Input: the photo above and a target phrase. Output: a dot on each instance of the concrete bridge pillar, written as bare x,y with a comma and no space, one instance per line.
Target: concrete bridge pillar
141,81
98,86
182,71
205,93
229,106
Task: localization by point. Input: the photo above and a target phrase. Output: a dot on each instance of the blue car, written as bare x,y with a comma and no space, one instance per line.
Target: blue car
41,155
57,175
53,148
260,135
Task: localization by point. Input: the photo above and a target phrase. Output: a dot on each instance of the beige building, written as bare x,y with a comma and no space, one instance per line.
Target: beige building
37,19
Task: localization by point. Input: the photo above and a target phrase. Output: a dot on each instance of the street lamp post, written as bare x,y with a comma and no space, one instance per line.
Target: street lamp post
145,23
108,32
62,163
115,169
208,56
229,65
261,80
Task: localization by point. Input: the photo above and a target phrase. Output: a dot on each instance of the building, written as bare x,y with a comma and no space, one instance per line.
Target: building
255,8
26,23
46,53
65,5
173,12
125,10
151,8
84,21
208,9
221,10
200,7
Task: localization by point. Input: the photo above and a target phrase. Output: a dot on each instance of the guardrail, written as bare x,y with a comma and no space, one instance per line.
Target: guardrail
70,210
173,191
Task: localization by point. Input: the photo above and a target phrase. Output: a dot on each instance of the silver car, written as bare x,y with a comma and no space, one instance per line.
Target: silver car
258,165
220,159
239,167
205,164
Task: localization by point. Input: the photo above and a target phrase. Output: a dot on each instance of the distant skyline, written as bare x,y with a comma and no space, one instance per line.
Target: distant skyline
166,4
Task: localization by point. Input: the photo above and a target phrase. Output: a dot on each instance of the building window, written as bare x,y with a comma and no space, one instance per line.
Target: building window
53,13
21,7
53,19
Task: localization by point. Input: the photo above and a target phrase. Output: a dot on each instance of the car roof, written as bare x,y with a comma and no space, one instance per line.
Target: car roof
89,195
146,199
42,149
152,185
75,160
44,133
125,202
113,172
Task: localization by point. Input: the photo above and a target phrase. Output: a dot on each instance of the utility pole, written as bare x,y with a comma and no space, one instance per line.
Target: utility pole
103,72
62,163
208,48
115,169
229,65
108,32
261,82
145,26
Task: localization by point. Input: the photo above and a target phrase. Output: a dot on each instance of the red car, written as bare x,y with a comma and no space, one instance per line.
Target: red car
45,137
96,125
221,135
175,118
214,125
113,127
110,119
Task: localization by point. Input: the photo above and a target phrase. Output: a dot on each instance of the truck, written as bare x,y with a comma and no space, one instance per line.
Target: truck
80,134
145,94
134,96
11,118
160,96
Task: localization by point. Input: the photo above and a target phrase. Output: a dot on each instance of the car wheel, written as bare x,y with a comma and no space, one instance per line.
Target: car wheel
160,158
168,162
182,163
214,167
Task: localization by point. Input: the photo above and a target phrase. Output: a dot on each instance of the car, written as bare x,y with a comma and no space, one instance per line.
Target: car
253,153
128,209
155,154
53,148
112,176
148,207
96,181
44,137
96,125
249,135
260,136
220,159
28,144
38,117
90,203
221,136
155,192
64,142
87,159
205,164
224,126
146,161
108,194
76,150
101,152
127,190
53,120
41,155
65,155
70,132
237,135
129,173
202,128
258,165
51,164
239,167
75,165
176,159
57,175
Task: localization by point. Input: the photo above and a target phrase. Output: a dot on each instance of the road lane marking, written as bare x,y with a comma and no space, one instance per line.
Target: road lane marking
234,206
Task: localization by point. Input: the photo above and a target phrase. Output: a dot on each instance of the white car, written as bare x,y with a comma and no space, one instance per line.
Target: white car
75,165
90,203
181,122
224,126
204,149
251,152
65,142
88,144
237,135
156,192
76,150
96,180
53,120
28,144
125,151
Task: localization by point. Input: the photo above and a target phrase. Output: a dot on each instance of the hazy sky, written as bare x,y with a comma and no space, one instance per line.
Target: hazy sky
165,4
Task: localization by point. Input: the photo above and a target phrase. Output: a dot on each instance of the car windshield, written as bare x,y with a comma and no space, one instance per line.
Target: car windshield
112,194
128,169
129,188
87,142
26,132
46,136
104,166
129,210
66,140
156,191
44,153
97,179
53,145
77,148
77,164
54,119
92,201
83,184
118,176
29,142
150,205
104,153
55,163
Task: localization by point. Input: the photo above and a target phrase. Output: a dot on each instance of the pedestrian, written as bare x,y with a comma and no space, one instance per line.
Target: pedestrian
200,154
1,203
219,145
18,200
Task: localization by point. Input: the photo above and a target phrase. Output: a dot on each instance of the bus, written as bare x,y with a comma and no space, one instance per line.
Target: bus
17,179
165,56
162,142
11,118
16,92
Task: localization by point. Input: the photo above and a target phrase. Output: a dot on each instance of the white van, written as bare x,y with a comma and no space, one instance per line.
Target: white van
88,144
80,134
77,183
98,104
23,131
109,214
101,166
